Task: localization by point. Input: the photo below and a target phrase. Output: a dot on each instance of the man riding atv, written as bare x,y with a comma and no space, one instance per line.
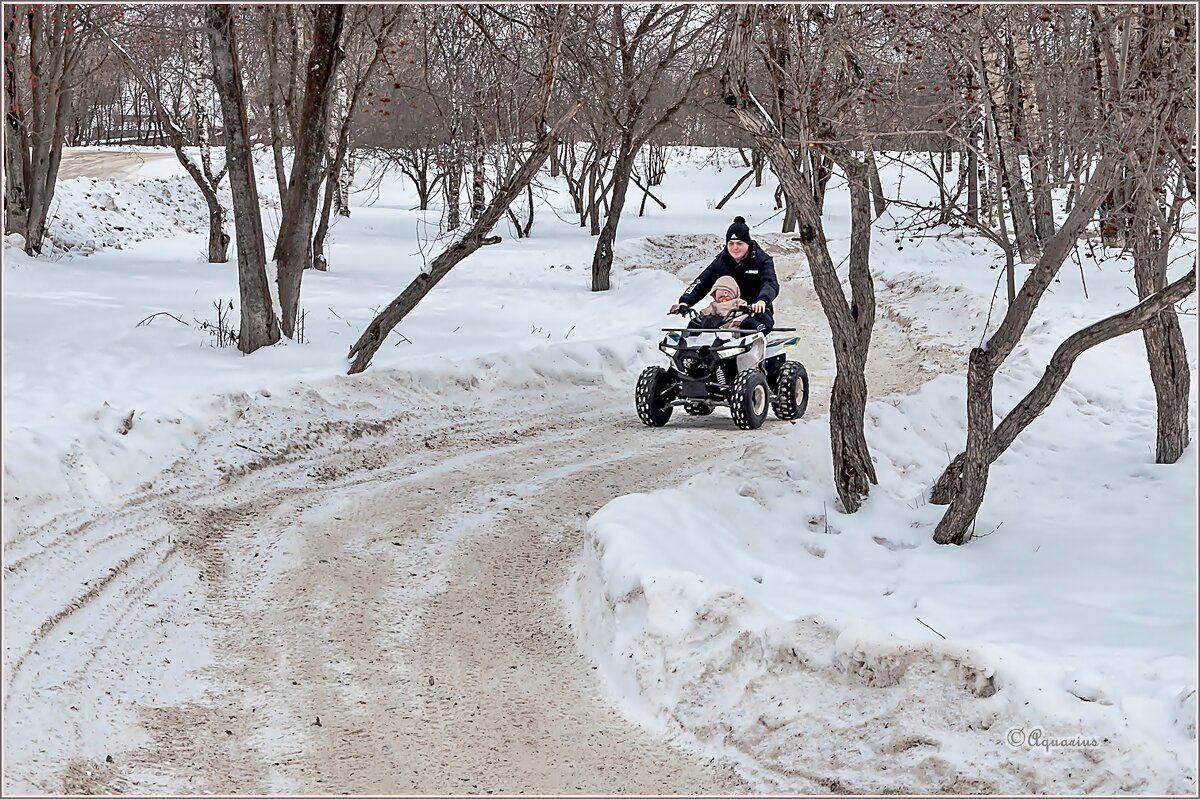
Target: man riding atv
750,267
723,357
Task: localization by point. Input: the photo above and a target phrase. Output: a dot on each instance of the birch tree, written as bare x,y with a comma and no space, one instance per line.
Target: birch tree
184,34
369,29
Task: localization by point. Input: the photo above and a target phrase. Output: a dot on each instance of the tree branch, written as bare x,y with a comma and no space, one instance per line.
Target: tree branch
1058,369
372,338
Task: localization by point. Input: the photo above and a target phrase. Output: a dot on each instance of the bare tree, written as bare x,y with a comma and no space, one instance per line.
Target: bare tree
184,38
366,43
293,247
1000,92
43,49
1159,42
1149,86
476,235
1039,398
284,29
850,321
967,477
259,326
653,58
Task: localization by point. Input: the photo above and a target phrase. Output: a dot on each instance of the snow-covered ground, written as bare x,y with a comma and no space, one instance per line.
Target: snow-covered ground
743,610
739,613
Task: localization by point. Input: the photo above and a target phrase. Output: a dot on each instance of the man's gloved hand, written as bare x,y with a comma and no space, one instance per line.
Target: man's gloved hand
679,308
758,307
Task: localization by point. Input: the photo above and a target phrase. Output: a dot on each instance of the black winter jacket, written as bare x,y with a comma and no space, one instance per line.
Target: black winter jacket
755,276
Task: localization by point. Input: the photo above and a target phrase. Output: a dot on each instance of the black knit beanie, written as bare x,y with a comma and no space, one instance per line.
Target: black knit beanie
738,230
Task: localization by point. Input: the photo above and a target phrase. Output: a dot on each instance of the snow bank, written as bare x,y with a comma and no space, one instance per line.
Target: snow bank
744,614
157,203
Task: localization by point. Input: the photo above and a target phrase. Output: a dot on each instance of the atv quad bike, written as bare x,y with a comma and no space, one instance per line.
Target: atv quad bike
739,369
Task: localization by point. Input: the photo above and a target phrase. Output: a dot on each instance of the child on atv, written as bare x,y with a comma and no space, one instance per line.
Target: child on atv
727,311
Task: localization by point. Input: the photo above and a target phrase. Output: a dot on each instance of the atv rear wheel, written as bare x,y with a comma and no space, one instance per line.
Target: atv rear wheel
652,407
791,400
749,399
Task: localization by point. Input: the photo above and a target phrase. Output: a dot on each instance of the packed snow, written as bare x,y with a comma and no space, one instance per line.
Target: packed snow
740,613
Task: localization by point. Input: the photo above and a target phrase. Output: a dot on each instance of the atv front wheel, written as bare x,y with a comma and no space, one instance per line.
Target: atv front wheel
749,399
792,398
652,407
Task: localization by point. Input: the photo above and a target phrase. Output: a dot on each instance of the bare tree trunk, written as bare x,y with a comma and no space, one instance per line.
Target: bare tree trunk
274,94
729,195
1034,136
593,205
258,323
603,257
16,136
877,195
36,129
293,247
1009,165
971,480
452,188
1034,403
319,261
822,172
789,214
478,166
973,144
345,179
569,162
1165,348
938,163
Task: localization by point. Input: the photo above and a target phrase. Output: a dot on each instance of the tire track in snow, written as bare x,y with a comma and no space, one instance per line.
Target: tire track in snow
346,560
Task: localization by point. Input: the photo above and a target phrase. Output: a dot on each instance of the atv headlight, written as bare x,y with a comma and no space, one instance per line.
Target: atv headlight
733,351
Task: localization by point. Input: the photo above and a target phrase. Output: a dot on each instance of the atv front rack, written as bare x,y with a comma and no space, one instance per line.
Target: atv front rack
735,331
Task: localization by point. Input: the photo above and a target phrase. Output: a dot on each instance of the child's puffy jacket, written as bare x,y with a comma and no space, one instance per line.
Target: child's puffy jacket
726,315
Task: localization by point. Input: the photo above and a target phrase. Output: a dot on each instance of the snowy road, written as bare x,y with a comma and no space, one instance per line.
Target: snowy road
92,164
357,588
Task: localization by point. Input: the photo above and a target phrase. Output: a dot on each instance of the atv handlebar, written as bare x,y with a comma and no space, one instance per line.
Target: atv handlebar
685,310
